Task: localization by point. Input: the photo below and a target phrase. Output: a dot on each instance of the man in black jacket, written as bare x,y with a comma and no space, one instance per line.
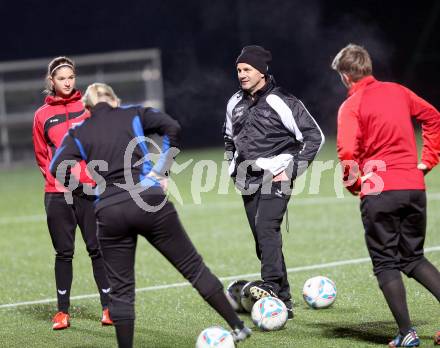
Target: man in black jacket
270,139
131,201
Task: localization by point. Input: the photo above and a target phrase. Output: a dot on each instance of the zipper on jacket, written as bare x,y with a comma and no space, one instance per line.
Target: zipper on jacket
67,118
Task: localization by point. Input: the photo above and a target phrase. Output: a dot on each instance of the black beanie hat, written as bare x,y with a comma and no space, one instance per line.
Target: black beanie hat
256,56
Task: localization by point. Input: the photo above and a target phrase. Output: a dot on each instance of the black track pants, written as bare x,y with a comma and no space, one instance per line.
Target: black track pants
395,227
265,214
62,219
118,228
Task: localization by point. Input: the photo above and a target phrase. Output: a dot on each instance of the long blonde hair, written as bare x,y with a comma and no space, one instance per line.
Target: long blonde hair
100,92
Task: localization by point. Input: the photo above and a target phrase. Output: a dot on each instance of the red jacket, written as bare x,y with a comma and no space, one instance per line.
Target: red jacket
51,123
375,124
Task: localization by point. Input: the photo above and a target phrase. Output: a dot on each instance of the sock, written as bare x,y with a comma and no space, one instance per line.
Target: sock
429,276
101,280
219,302
393,290
63,280
124,333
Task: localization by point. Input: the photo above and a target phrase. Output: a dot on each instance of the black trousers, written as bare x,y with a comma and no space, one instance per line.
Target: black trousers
265,214
395,227
62,220
118,228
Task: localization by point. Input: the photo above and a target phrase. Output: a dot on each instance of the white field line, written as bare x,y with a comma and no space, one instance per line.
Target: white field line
239,276
217,205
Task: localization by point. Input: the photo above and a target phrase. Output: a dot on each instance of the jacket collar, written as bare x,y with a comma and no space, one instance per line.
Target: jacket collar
55,100
362,83
269,85
101,106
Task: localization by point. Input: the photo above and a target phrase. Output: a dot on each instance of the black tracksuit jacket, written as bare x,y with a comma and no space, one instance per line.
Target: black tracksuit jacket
273,123
112,135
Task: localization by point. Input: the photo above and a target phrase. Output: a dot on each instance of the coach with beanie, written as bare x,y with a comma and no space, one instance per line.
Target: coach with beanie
270,139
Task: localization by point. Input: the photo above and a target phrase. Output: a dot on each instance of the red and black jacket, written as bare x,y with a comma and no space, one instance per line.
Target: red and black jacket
375,124
51,123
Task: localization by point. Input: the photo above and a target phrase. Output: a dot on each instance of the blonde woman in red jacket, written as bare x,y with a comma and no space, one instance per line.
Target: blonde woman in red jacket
61,111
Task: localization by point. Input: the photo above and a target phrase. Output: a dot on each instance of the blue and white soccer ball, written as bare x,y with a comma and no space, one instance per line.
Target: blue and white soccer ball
269,313
215,337
319,292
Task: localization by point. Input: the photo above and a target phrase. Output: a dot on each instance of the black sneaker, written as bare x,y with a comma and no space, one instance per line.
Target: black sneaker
262,290
240,335
289,306
410,339
247,301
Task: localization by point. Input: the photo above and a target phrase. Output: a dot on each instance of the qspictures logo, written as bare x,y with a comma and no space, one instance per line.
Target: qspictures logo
212,176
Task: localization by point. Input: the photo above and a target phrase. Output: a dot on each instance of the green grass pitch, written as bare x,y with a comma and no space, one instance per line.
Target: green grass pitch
323,229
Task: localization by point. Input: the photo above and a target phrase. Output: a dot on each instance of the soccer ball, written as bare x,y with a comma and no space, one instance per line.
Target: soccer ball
319,292
233,292
246,299
269,313
215,337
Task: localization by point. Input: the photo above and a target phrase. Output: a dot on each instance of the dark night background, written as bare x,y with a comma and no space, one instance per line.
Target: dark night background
200,40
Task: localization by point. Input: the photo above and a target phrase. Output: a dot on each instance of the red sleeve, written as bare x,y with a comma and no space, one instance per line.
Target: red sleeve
429,118
40,146
82,174
80,170
348,146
